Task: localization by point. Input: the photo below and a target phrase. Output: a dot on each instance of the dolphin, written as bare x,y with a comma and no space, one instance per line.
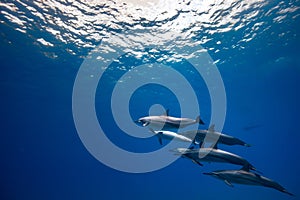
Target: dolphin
243,176
169,135
167,121
199,136
213,155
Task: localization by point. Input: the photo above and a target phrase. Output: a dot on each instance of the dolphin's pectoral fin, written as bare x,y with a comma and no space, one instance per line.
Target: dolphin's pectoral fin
228,183
197,162
183,156
146,124
199,120
152,131
200,144
159,139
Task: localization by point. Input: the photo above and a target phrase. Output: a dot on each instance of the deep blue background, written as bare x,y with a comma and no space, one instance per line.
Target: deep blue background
42,156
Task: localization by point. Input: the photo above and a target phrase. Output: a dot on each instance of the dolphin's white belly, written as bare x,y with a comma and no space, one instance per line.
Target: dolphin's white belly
171,135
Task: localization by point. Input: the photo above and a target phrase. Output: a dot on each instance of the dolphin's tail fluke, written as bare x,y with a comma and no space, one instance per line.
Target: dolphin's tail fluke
247,166
199,120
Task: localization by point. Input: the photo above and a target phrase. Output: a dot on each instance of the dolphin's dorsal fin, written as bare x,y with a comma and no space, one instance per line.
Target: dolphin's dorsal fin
228,183
211,128
215,146
246,168
166,113
160,139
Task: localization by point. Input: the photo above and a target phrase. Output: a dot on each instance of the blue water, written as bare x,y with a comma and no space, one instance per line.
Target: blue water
255,45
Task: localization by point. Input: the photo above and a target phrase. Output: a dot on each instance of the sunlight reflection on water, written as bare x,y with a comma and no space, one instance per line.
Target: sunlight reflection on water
79,26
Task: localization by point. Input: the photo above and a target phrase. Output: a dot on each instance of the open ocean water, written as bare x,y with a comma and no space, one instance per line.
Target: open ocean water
254,44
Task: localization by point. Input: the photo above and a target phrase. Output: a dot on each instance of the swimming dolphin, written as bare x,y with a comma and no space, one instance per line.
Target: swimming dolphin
199,136
169,135
245,177
167,121
213,155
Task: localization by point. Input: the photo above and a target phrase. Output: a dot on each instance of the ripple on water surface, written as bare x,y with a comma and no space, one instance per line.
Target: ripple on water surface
78,26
